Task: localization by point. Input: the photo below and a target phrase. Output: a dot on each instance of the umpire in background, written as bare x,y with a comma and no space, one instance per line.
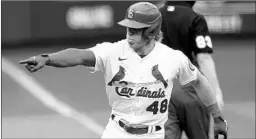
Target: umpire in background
185,30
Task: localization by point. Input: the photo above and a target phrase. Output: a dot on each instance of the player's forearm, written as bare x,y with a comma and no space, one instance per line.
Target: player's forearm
71,57
207,67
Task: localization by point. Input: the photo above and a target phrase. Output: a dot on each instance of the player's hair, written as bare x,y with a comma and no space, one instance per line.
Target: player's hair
157,37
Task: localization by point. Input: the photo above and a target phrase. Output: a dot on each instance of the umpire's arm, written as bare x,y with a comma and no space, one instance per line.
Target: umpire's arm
203,49
189,75
205,92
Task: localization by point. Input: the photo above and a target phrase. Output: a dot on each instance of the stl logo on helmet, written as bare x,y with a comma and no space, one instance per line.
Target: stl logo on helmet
130,13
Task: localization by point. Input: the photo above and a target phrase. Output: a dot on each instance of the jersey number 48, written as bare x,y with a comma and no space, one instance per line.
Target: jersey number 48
154,106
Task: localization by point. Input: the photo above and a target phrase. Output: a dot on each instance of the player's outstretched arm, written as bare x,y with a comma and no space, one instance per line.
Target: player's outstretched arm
207,95
66,58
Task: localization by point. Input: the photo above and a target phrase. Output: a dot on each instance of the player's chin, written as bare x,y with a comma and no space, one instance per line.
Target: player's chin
135,48
132,45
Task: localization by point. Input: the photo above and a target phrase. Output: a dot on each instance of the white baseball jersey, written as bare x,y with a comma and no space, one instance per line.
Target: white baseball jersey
138,96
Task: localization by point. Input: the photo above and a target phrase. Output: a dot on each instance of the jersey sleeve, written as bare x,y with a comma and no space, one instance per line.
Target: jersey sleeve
187,71
201,36
101,52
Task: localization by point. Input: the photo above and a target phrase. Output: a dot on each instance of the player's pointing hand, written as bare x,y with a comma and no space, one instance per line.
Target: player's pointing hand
35,63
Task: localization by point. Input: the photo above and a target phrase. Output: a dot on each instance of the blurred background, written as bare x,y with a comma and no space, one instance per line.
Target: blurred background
71,102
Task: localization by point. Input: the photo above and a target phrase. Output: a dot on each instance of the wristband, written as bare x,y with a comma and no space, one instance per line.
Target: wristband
47,58
215,110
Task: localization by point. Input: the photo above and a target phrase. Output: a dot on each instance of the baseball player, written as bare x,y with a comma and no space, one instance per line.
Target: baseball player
139,73
187,31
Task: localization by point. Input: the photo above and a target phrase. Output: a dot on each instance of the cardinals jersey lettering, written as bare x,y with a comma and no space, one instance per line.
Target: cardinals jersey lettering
139,89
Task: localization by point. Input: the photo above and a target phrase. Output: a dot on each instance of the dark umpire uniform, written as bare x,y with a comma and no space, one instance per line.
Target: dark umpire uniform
185,30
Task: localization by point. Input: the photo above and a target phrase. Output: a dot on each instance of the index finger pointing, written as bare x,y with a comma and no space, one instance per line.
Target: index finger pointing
26,61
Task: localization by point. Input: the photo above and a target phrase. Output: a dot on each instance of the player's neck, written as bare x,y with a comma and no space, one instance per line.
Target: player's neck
146,49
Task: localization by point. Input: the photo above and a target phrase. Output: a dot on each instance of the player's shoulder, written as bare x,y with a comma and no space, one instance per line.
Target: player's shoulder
164,48
120,42
108,48
111,45
170,52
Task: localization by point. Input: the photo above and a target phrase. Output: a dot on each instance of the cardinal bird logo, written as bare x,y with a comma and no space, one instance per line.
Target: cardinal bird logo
157,74
119,76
